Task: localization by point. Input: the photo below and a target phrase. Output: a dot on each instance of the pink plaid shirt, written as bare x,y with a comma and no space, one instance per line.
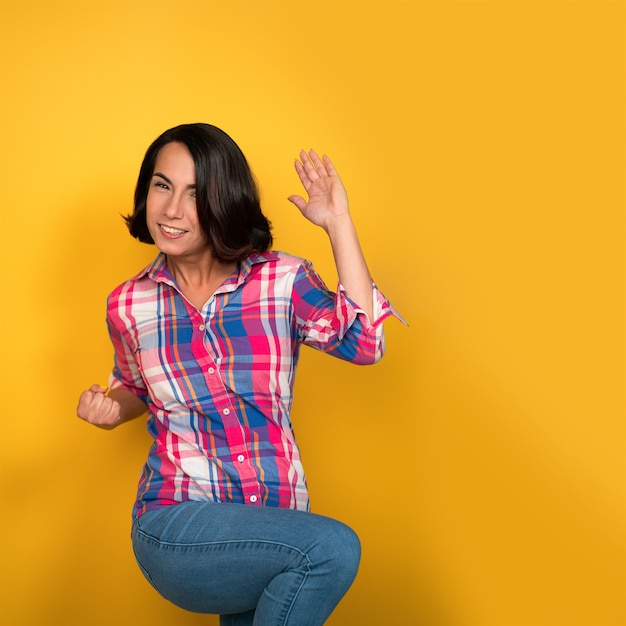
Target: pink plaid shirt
219,382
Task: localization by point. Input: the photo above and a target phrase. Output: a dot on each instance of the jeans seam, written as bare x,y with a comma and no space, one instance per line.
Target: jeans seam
198,544
297,593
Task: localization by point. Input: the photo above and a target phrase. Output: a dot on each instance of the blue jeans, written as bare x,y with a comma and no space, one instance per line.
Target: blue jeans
260,566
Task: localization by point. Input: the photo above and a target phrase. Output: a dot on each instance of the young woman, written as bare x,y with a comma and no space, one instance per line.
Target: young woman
206,341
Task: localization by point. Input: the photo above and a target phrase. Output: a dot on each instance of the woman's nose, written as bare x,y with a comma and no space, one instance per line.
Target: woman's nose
174,208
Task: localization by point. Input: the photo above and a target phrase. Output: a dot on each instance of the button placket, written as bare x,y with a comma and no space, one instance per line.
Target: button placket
223,403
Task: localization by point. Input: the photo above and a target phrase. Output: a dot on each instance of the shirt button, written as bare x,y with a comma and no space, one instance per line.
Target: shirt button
241,458
226,411
211,370
201,327
253,498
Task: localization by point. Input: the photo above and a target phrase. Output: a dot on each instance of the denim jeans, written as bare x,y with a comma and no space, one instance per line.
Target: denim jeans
260,566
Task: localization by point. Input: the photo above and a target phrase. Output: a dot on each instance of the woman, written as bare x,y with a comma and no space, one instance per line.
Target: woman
206,341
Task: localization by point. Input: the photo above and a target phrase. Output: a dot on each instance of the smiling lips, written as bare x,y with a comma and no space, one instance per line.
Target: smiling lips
171,232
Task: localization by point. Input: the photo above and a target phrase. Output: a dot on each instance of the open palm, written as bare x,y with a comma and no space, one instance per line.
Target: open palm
327,197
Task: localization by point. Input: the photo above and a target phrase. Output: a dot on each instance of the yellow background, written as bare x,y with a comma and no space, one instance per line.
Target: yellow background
483,147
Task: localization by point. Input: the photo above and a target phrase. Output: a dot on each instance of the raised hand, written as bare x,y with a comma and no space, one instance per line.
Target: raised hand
327,197
327,207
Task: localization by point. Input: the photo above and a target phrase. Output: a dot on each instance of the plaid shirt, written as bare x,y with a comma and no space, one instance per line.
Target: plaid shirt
218,382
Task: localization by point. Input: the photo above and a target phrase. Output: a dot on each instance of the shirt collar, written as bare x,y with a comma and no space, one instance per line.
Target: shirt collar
158,271
246,266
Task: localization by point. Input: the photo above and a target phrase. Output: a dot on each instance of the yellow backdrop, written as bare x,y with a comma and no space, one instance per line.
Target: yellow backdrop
482,143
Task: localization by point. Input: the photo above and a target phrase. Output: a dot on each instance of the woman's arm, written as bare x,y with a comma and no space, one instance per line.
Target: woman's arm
327,207
109,410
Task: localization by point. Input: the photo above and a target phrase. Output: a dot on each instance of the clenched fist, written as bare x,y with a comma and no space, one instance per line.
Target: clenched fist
95,407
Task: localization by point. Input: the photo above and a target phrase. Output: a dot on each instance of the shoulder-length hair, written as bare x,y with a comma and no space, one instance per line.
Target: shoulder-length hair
227,197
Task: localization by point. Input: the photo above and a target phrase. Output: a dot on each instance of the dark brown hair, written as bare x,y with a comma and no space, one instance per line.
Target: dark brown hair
227,197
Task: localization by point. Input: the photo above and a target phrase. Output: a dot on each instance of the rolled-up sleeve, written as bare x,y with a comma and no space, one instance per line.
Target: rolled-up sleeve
335,324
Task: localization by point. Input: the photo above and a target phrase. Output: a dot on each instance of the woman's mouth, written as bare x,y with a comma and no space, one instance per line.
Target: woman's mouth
171,232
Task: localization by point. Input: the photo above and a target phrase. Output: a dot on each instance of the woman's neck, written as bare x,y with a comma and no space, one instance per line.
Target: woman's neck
199,277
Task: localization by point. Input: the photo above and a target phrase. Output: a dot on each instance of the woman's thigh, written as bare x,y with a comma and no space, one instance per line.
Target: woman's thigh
231,558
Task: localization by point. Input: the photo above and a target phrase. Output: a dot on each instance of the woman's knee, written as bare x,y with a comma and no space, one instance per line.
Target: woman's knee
343,549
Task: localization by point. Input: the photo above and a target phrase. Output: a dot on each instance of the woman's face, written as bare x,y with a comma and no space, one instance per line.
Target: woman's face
171,212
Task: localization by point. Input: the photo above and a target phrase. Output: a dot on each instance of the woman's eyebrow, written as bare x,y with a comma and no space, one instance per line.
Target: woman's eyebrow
169,182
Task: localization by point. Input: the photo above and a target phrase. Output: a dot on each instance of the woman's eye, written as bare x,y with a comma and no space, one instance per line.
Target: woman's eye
161,185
